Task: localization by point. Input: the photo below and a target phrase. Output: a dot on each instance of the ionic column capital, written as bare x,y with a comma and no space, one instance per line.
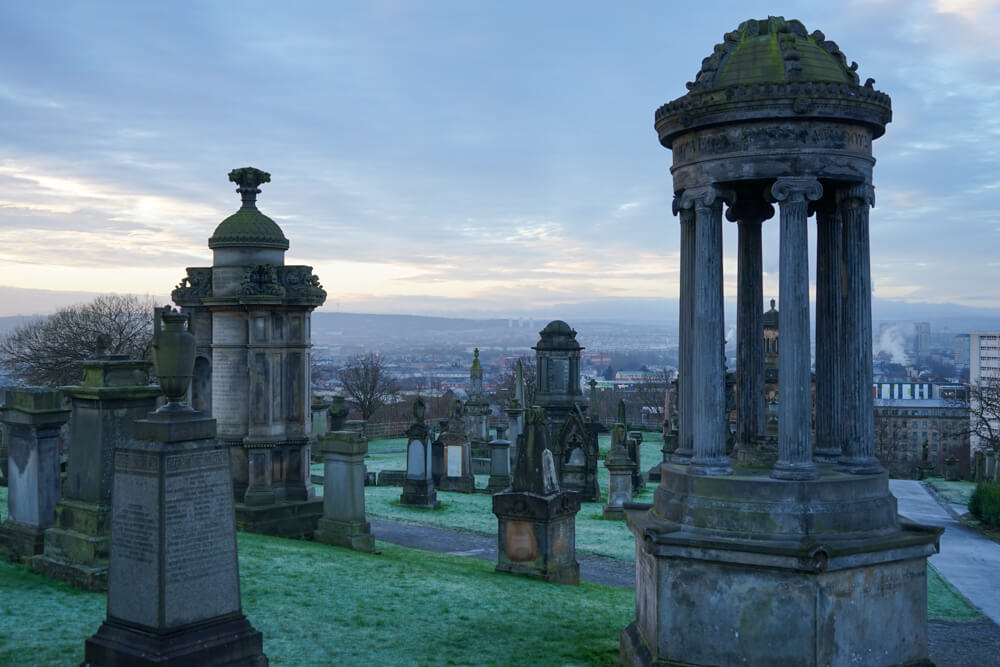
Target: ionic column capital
703,196
796,190
856,194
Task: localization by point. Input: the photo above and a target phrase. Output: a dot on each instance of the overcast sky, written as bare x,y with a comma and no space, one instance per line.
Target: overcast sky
452,157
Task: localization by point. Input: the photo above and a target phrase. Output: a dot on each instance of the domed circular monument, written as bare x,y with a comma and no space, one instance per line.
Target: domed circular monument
741,561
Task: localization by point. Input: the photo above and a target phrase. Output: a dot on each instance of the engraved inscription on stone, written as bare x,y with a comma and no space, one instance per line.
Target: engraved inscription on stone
750,138
454,456
134,528
198,516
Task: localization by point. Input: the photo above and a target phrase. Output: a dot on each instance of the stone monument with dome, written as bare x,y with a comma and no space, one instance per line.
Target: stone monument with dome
806,562
251,318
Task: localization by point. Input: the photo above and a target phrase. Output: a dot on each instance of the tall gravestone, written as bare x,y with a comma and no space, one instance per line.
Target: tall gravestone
536,520
115,392
33,417
344,522
807,564
515,409
173,579
456,474
251,316
477,411
418,485
573,441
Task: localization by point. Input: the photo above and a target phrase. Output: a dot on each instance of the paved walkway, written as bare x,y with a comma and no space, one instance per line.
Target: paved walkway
969,561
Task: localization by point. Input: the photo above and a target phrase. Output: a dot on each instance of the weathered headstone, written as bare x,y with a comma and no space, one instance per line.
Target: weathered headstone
633,446
173,580
418,487
477,411
499,462
536,520
457,465
620,469
115,391
33,418
344,522
516,409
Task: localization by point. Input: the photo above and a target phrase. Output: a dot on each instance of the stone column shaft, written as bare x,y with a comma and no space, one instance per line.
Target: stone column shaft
794,438
685,385
750,415
706,365
829,341
858,455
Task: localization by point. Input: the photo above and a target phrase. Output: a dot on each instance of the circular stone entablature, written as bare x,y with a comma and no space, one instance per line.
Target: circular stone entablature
773,100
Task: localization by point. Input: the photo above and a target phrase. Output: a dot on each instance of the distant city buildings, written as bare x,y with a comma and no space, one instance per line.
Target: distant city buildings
984,377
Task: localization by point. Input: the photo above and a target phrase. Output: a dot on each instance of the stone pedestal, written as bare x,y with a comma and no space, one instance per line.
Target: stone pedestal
33,418
344,523
114,393
619,467
749,569
499,465
279,498
418,487
634,448
173,582
537,535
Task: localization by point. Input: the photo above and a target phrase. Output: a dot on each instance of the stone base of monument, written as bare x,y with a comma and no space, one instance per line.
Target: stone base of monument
20,542
497,483
744,569
536,535
291,518
419,493
227,640
463,484
355,535
77,547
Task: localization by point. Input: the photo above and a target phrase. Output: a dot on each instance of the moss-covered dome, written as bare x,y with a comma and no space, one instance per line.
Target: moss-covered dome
769,69
557,335
248,227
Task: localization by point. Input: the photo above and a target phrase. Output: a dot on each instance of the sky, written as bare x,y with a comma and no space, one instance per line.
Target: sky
452,158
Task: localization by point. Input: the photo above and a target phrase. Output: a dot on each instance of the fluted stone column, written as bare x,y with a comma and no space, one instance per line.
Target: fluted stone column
749,214
706,363
829,341
794,439
858,455
685,423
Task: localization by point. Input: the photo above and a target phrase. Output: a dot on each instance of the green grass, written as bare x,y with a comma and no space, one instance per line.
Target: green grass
316,604
953,492
944,603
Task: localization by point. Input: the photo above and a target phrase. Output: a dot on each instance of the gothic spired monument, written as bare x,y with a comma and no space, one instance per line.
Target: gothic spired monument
251,317
806,563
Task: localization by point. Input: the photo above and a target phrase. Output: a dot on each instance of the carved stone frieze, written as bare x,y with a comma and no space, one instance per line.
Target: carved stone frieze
197,284
261,280
301,283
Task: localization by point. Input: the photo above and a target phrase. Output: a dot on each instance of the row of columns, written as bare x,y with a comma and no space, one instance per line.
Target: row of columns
844,421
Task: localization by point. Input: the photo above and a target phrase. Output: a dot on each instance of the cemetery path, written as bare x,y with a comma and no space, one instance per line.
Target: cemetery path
595,569
967,560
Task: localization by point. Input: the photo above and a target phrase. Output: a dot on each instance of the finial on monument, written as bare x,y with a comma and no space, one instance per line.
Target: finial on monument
102,344
419,410
173,357
249,179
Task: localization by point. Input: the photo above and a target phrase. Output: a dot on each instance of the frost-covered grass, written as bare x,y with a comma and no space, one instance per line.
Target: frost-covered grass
945,603
954,492
317,604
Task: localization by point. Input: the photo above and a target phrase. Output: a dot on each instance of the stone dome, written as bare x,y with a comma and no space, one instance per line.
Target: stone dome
557,335
248,227
773,68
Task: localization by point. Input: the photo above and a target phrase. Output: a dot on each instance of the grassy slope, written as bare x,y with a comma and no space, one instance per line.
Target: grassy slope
321,605
954,492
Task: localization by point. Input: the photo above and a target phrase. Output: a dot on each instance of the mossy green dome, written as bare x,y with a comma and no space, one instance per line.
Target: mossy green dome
774,50
248,228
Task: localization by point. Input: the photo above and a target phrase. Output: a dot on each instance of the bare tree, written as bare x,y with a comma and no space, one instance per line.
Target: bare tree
45,351
367,382
890,444
530,375
984,413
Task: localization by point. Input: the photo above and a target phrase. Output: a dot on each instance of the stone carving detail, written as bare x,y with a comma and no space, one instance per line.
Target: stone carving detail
796,189
300,282
197,284
261,280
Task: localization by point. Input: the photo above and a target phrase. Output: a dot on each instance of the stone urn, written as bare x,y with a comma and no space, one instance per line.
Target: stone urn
173,355
337,413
